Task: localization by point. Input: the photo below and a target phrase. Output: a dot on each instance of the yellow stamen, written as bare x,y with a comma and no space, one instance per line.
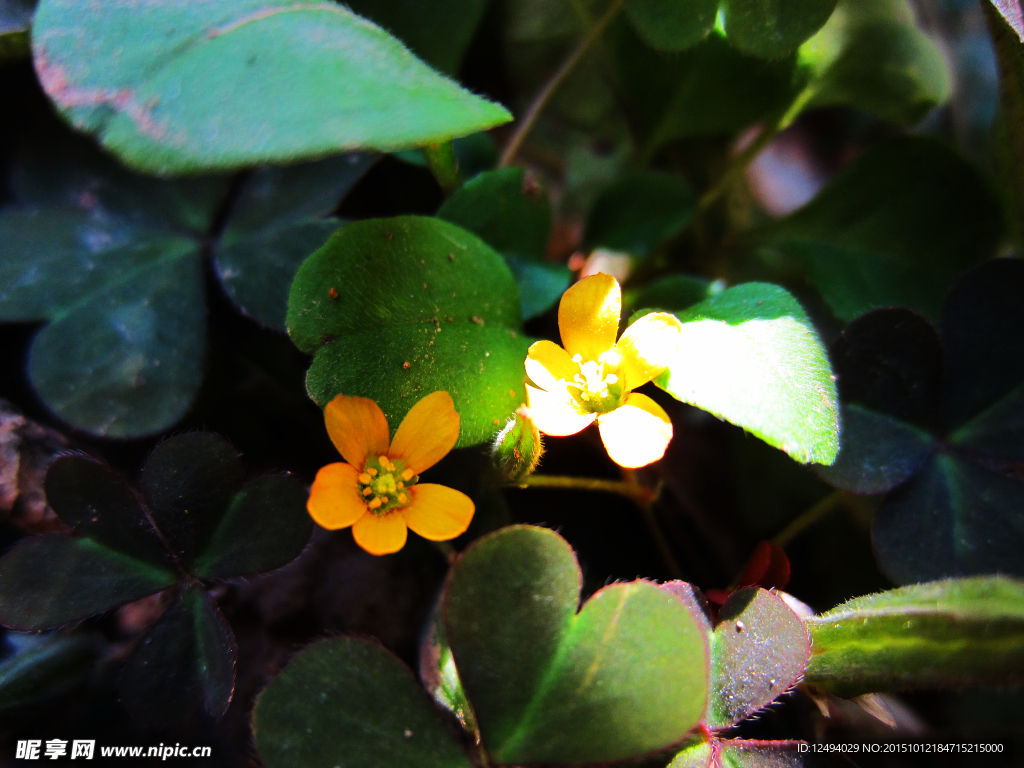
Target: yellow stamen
383,460
402,498
401,484
384,499
364,479
371,472
407,475
375,504
367,491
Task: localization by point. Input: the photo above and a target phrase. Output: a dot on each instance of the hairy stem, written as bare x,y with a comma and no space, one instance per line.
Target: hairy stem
541,99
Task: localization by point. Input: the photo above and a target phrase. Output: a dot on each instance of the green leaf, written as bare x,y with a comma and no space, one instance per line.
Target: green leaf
276,222
773,28
438,31
877,452
673,293
750,355
1007,30
639,211
265,527
185,662
624,677
713,752
47,668
669,25
871,56
759,650
510,212
983,335
91,498
48,581
854,281
349,702
173,88
907,208
955,517
953,633
110,260
419,291
710,89
189,482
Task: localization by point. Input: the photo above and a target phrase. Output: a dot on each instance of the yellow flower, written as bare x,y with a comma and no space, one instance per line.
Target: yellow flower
593,377
378,491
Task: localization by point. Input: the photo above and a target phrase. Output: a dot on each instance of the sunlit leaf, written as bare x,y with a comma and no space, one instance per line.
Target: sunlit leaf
172,88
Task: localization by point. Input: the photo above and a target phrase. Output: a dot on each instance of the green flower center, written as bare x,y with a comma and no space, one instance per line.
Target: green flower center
384,484
597,387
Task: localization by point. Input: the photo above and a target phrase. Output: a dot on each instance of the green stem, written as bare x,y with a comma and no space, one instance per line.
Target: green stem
447,551
742,161
635,493
443,164
541,99
810,517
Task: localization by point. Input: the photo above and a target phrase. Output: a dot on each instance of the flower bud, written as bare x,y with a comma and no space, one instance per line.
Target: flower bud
517,448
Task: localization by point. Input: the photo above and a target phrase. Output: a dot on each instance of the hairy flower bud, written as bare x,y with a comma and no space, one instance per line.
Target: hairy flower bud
517,448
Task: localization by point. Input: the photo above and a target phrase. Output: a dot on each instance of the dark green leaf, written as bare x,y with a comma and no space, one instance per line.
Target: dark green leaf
872,56
92,499
47,668
506,209
183,665
877,452
983,335
265,527
909,200
438,31
853,281
511,213
758,650
48,581
954,518
954,633
624,677
189,482
639,211
419,291
669,25
891,361
275,224
673,293
349,702
997,432
750,355
710,89
773,28
171,88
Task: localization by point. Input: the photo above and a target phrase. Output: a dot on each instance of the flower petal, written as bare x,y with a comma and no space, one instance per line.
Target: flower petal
438,512
637,432
427,432
588,316
546,363
647,348
334,501
381,534
554,414
357,427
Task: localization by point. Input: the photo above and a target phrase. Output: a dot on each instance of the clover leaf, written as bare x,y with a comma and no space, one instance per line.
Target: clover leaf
195,522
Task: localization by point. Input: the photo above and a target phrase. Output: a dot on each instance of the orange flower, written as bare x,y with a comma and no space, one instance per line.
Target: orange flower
378,491
593,377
